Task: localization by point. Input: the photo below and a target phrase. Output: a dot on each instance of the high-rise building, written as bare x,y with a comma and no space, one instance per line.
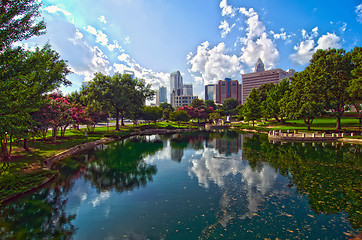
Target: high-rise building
187,90
260,77
180,101
209,92
161,95
176,86
227,89
180,94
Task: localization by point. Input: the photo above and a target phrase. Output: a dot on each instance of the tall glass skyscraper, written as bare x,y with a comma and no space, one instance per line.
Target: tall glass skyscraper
176,86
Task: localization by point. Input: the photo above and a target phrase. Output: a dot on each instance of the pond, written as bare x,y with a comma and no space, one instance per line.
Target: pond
196,186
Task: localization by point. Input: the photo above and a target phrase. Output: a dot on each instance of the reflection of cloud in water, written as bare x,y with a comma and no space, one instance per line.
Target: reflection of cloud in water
103,196
240,198
213,167
163,154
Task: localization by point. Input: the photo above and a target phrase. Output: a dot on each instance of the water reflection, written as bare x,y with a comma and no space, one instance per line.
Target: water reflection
41,216
206,186
116,167
329,175
243,189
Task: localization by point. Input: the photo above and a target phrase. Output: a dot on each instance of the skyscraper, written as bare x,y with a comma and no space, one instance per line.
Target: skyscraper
260,77
176,86
161,95
227,89
209,92
187,90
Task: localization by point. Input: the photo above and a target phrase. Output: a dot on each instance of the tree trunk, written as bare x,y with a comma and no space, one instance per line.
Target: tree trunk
253,123
358,115
276,118
282,121
4,149
26,146
122,116
55,130
117,120
338,122
44,133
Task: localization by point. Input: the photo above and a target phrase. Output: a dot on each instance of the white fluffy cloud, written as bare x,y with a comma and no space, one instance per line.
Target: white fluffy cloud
214,63
227,10
102,19
306,48
100,36
55,9
257,43
225,28
155,78
358,11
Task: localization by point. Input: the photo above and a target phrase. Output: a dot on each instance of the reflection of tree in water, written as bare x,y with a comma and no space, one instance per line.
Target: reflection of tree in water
39,216
42,215
121,166
329,175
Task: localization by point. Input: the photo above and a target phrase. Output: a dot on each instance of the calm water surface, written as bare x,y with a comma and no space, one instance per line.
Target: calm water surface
196,186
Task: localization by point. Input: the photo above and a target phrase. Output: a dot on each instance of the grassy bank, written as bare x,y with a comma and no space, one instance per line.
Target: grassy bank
25,170
319,124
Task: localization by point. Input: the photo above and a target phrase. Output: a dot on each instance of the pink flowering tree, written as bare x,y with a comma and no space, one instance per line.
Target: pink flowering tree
199,113
57,114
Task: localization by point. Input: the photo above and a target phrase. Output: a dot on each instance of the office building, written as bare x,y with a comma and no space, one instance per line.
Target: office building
209,92
180,101
161,95
187,90
176,86
225,89
260,77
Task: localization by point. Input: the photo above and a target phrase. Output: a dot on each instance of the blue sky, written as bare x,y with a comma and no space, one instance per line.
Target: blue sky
206,40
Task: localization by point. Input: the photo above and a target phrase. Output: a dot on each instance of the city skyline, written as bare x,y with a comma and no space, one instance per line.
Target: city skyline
217,39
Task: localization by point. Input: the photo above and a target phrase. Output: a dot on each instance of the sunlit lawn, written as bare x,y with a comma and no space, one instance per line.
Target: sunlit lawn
318,124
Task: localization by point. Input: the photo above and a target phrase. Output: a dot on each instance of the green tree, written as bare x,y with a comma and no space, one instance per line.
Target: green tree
330,70
152,113
119,93
229,106
263,93
166,113
197,103
355,85
18,21
252,108
165,105
303,99
180,116
217,114
272,103
210,103
25,77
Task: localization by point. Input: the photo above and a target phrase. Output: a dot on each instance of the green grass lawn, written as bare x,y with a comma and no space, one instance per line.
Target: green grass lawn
320,124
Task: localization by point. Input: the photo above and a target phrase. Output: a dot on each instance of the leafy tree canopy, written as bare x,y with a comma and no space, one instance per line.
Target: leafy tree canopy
18,21
120,93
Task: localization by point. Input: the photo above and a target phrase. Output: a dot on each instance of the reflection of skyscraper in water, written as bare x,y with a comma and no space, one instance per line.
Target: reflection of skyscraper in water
229,146
177,154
